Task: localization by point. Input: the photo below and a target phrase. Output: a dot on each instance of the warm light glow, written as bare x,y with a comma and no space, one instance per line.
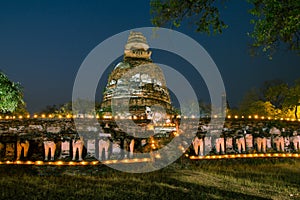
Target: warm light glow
256,116
269,118
35,116
20,117
28,116
39,162
95,162
59,116
134,117
236,117
228,116
83,163
50,116
249,117
108,162
43,115
14,117
7,117
262,117
243,117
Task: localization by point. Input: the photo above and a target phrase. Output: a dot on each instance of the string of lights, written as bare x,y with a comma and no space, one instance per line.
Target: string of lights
109,117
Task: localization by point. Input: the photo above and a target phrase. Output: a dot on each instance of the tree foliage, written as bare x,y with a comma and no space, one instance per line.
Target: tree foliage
275,21
275,98
11,95
204,13
274,91
292,101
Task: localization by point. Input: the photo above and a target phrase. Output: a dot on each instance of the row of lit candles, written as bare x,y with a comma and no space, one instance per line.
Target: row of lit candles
72,163
136,160
135,117
256,155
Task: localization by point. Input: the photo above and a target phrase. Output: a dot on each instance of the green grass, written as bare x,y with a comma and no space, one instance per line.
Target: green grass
213,179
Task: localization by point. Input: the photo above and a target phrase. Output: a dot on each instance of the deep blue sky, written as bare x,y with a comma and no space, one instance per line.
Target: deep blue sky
43,43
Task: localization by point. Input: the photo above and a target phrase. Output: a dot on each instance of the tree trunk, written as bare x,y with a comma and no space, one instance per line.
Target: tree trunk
296,110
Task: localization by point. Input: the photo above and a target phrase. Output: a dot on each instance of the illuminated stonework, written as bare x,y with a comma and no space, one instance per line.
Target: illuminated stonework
136,82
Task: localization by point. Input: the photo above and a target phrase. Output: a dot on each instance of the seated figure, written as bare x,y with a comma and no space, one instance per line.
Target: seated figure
103,144
198,144
261,144
128,147
295,140
241,144
22,144
78,143
49,146
278,140
220,142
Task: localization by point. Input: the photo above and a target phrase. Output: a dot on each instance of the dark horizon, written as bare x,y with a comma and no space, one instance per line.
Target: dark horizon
43,44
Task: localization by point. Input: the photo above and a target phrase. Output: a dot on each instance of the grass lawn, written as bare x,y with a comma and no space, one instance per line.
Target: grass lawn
185,179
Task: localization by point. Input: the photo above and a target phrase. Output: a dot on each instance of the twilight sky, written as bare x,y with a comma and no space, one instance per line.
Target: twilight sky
43,43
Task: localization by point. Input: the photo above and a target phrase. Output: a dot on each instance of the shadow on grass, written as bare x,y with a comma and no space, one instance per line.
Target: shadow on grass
23,182
277,171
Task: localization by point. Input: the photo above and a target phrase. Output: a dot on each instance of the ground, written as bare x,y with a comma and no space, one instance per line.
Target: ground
273,178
